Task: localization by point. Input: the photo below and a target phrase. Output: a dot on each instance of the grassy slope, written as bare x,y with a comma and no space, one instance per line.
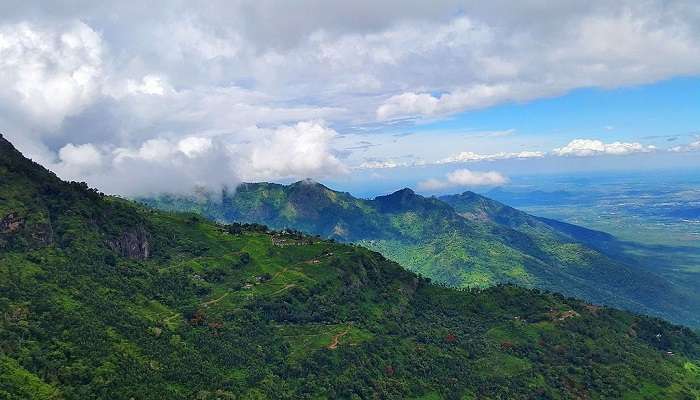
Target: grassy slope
326,320
493,244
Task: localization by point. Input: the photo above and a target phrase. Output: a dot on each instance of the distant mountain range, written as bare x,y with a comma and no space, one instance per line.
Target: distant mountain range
464,240
102,298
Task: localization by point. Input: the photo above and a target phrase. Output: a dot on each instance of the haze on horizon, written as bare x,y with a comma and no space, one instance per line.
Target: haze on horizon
136,98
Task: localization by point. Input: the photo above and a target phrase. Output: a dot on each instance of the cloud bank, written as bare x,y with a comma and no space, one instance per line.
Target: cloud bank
468,156
575,148
592,147
166,165
693,146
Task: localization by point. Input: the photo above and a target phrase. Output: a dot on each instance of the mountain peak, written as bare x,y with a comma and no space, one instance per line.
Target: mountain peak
308,182
405,192
401,194
400,200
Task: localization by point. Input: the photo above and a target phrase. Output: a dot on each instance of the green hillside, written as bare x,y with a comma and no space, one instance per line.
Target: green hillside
460,241
105,299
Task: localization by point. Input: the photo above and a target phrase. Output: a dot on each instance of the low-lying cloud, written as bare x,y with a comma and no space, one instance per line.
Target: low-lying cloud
463,178
165,165
593,147
468,156
693,146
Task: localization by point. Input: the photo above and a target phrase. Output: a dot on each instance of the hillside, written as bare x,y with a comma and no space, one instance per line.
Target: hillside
460,241
103,298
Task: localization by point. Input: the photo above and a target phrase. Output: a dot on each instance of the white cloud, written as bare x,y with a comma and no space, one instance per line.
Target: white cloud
423,104
468,156
381,164
694,146
164,165
479,63
594,147
299,150
462,157
49,71
85,155
464,178
149,84
194,146
150,150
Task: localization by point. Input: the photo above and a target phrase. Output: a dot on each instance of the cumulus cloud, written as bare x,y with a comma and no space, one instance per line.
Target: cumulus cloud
463,178
423,104
299,150
83,155
594,147
468,156
49,72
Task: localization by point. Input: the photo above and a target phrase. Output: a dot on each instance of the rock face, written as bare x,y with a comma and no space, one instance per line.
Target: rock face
133,244
15,228
43,234
11,223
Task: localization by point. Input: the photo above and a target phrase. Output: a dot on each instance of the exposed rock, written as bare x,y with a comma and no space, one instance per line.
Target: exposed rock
11,223
132,244
43,233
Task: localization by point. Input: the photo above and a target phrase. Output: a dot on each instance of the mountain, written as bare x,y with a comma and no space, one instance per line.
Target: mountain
459,241
103,298
480,208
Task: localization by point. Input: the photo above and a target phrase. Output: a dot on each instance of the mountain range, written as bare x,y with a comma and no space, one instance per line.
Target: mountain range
103,298
462,241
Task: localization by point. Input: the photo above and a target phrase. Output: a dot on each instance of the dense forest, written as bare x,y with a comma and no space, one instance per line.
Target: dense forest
102,298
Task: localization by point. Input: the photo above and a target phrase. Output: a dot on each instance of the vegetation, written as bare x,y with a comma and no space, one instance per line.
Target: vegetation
105,299
463,241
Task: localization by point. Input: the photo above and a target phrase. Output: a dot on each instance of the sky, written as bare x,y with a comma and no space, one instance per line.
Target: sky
137,98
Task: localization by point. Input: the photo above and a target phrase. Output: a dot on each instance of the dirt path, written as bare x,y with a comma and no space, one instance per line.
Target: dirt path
210,302
168,319
336,339
279,273
291,285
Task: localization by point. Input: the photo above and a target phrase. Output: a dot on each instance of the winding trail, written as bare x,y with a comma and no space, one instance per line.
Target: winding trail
291,285
336,339
285,269
207,303
168,319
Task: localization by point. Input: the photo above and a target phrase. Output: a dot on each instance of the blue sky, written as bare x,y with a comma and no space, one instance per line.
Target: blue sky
663,114
368,95
667,108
